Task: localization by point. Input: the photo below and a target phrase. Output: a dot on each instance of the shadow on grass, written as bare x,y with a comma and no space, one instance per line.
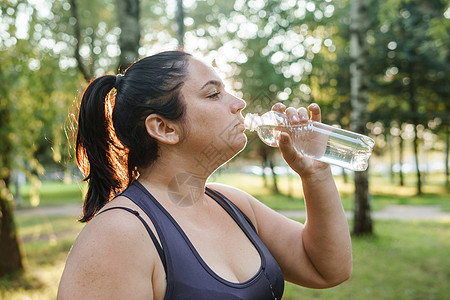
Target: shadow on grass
21,280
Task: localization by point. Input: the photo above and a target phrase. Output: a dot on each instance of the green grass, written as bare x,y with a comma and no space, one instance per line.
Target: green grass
383,191
47,241
44,264
42,227
404,260
54,193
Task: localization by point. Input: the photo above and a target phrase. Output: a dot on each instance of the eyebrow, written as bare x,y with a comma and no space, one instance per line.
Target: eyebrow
212,82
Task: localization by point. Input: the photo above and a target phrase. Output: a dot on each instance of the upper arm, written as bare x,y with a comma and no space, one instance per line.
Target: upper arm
109,260
281,235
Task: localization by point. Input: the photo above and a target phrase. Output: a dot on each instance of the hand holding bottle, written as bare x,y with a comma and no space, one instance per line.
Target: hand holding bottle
299,163
301,139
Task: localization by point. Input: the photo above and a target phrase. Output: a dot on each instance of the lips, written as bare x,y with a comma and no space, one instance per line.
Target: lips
240,126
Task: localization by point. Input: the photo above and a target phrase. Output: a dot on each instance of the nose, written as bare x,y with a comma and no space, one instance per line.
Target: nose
237,105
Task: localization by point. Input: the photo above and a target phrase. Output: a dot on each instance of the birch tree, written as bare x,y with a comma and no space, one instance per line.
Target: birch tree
360,22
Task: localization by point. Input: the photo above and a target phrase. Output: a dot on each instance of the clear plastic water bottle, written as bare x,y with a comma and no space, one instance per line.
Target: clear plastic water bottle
315,140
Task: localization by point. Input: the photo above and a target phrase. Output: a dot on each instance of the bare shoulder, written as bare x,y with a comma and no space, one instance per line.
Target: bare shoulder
112,248
240,198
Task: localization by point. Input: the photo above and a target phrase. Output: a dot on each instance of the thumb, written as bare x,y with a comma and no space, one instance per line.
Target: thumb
286,148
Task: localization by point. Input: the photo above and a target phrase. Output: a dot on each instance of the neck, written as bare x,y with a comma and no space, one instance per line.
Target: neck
183,181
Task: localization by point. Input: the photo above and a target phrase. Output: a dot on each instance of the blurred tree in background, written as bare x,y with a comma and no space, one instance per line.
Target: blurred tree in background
34,101
360,23
297,52
413,69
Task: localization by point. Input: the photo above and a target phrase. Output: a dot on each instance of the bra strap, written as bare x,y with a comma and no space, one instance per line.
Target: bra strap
150,232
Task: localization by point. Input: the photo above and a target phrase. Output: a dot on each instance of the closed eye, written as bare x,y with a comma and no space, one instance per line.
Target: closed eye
215,95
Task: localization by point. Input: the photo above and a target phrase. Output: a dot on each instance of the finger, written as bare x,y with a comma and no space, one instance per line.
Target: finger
303,114
315,112
292,115
279,107
285,145
289,153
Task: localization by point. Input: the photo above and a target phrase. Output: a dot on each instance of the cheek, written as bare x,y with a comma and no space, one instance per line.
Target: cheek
184,131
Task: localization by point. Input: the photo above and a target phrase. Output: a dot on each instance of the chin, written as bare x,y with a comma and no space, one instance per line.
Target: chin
238,145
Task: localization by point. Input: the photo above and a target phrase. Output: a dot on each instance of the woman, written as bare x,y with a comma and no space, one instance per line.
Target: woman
170,235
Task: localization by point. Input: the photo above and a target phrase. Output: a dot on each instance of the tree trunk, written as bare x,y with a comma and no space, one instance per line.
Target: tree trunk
414,118
391,157
362,219
81,66
274,176
447,141
344,176
180,24
264,159
10,255
130,35
400,160
263,174
416,157
359,100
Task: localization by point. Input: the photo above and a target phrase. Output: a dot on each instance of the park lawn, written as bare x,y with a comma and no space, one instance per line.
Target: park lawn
404,260
46,243
383,191
48,228
53,193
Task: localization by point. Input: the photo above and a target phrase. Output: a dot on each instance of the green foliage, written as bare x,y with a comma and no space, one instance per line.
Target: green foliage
406,260
36,92
410,62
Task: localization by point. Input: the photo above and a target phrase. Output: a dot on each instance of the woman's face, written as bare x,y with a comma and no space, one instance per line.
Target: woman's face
213,116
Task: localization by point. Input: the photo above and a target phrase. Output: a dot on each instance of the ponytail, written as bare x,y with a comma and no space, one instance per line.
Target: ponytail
96,146
112,143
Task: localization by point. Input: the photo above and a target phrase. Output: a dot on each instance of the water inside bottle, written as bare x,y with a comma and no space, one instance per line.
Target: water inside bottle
269,134
328,144
348,150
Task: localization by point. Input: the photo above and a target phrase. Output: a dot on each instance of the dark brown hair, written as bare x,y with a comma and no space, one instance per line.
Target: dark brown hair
112,141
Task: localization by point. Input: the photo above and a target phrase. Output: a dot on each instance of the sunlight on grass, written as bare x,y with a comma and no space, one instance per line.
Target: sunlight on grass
54,193
38,227
44,265
382,190
40,283
404,260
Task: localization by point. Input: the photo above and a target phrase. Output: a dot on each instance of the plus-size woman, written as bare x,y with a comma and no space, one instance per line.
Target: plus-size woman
147,142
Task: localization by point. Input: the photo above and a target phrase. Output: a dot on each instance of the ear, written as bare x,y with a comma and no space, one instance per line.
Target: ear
161,129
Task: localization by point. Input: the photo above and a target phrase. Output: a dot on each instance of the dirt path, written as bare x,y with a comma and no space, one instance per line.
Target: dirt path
395,212
391,212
